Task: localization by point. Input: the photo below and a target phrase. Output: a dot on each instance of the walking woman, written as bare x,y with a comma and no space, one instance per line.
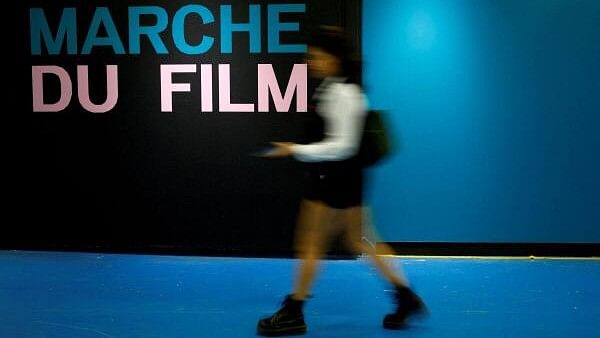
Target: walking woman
334,187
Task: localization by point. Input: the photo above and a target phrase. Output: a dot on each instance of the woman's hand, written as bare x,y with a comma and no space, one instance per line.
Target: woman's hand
281,149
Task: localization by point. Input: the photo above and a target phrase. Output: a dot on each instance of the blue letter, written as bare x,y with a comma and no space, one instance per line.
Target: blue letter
39,29
275,27
252,27
135,31
102,16
179,29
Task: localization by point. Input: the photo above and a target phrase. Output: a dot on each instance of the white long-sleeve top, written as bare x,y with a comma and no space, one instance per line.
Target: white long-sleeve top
343,108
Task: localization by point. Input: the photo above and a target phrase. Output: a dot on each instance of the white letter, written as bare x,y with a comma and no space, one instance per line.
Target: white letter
167,87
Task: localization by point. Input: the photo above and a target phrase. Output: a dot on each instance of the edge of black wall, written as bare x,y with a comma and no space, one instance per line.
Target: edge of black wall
153,249
496,249
576,250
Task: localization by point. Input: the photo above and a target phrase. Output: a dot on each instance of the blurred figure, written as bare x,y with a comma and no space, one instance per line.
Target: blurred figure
332,204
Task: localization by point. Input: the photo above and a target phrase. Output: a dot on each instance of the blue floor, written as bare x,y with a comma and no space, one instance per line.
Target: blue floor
45,294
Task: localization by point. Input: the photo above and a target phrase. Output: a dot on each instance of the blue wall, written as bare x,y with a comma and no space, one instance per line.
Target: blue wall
496,105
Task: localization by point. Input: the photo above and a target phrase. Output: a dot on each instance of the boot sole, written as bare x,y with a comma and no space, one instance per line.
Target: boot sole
394,326
418,314
293,331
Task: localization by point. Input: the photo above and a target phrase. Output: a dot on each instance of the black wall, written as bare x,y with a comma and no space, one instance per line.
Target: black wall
136,179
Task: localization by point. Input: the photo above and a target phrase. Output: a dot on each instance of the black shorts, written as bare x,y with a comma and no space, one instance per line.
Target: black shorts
337,184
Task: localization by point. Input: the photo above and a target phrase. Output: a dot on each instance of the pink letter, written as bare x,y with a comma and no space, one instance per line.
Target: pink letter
167,87
225,104
112,89
37,79
267,82
206,87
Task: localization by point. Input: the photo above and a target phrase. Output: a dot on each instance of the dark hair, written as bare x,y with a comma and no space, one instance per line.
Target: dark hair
334,41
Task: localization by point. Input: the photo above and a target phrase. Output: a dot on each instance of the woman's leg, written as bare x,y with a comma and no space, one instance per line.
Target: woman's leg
353,240
408,303
313,235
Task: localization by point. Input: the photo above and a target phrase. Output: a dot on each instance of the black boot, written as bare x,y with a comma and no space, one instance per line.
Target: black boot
287,321
408,305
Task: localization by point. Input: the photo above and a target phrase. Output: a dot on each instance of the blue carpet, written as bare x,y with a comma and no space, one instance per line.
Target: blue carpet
81,295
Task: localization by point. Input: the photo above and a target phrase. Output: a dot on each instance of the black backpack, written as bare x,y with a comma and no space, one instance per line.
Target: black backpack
376,142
